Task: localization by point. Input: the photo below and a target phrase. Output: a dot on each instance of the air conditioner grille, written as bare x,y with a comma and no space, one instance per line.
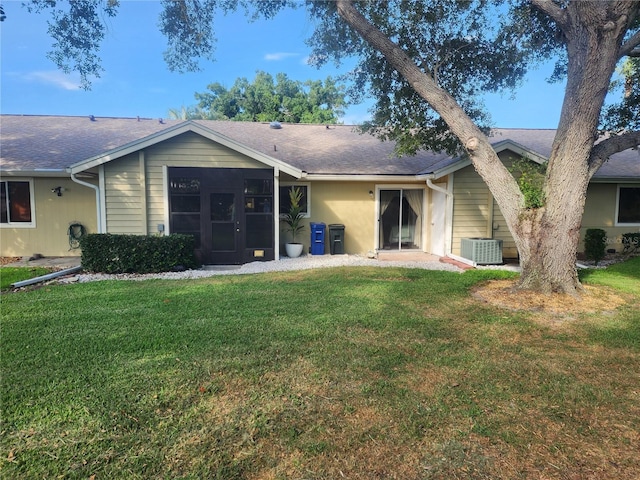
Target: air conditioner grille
483,251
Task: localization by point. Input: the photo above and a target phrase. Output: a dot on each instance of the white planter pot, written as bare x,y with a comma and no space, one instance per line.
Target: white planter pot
293,250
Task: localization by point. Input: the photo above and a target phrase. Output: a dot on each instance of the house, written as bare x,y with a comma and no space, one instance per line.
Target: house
227,182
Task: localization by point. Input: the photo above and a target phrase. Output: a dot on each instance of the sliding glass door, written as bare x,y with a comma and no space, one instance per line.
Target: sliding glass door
400,220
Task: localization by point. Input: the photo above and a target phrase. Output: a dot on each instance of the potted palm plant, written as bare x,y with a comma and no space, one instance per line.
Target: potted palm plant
293,221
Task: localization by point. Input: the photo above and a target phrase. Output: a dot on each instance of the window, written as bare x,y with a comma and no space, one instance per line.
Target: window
284,198
16,203
628,208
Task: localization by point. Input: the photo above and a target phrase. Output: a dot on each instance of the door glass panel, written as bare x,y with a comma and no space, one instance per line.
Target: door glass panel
411,219
259,231
389,218
186,223
223,237
185,185
258,187
257,204
223,207
185,203
223,224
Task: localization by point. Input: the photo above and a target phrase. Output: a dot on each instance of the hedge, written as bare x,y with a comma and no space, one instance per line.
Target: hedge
108,253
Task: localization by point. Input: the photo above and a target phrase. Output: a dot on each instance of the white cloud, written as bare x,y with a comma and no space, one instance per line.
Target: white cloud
55,78
275,57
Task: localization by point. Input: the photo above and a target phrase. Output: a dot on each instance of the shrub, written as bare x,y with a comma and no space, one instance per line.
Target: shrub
594,244
530,176
107,253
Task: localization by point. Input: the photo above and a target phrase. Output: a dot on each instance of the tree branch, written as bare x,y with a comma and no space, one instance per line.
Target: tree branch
481,153
629,47
614,144
554,11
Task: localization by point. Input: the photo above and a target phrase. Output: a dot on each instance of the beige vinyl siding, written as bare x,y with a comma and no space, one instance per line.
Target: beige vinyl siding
472,206
123,192
501,232
156,197
187,150
475,211
137,180
53,215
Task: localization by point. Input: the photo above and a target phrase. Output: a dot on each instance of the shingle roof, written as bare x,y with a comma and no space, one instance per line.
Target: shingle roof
52,142
30,143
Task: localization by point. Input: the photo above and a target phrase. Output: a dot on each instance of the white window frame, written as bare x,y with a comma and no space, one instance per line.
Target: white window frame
307,185
32,204
425,213
619,224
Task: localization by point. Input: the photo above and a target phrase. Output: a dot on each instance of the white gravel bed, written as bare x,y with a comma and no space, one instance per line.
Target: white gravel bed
284,264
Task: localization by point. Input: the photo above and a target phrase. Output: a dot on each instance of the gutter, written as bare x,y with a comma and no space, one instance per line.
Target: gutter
44,278
38,172
98,206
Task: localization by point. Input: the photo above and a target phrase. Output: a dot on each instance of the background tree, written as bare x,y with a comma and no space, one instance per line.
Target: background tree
427,63
266,100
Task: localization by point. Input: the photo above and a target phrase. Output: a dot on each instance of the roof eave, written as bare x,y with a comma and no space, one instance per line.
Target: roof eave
350,177
36,172
604,179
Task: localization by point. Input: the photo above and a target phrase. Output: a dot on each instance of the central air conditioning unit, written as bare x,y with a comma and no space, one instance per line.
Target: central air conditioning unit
483,251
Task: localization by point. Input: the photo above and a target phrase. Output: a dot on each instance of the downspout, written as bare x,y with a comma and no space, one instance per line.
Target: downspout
97,190
438,188
276,213
448,218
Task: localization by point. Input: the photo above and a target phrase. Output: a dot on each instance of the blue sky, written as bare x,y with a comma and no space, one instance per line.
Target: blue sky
137,82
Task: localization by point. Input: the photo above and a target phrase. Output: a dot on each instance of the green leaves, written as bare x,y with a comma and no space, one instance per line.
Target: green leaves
78,33
467,47
530,177
293,218
266,100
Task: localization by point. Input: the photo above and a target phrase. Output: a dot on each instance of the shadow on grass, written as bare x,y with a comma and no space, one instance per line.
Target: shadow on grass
621,331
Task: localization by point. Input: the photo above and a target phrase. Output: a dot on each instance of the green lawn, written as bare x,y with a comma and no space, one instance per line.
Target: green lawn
11,275
353,373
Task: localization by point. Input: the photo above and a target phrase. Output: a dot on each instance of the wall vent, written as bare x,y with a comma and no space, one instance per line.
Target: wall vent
483,251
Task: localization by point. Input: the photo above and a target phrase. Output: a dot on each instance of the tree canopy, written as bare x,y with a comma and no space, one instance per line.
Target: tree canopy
266,100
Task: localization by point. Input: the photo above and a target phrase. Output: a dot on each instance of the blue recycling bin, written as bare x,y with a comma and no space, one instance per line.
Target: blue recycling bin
317,238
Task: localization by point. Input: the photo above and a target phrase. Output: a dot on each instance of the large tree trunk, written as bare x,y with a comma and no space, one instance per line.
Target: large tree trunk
547,239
